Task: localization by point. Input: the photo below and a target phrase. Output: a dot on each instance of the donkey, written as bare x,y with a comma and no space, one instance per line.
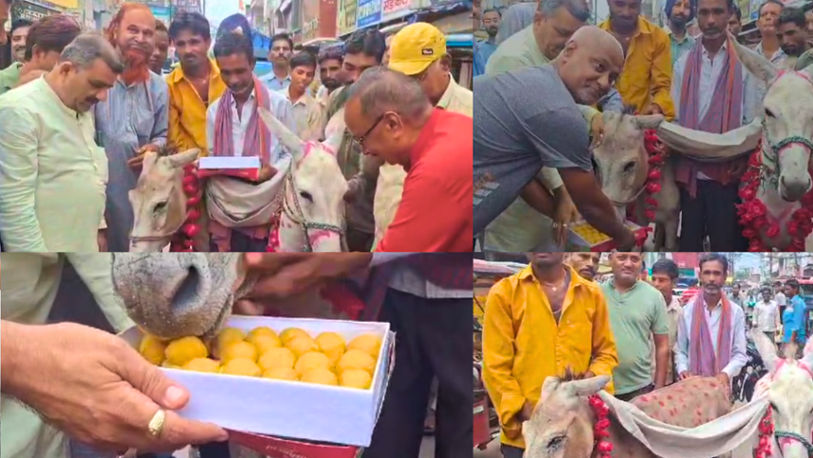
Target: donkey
311,207
622,165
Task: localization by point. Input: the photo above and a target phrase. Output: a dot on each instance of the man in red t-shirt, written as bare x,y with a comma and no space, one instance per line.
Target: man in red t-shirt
390,116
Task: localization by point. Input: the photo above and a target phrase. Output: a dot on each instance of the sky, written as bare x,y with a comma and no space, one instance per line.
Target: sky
217,10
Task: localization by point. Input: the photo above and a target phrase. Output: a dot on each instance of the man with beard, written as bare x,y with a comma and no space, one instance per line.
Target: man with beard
713,92
362,50
484,48
792,34
541,322
194,84
279,55
234,128
735,23
45,41
48,129
307,112
514,139
680,12
711,334
769,45
647,76
585,264
19,32
159,52
330,65
664,277
133,119
638,317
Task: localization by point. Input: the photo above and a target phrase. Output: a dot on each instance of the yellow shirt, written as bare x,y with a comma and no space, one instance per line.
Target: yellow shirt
523,344
187,112
647,74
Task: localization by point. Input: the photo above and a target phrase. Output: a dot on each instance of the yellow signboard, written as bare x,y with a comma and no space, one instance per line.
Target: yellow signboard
72,4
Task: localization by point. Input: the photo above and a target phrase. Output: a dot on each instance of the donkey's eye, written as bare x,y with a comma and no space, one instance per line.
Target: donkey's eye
556,442
769,113
306,195
160,207
629,166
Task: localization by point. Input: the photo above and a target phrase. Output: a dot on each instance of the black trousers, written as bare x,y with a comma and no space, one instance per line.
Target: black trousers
241,243
433,338
509,451
711,213
215,450
627,397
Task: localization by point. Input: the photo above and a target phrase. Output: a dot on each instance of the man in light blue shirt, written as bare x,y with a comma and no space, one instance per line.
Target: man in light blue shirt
484,48
795,329
680,13
279,55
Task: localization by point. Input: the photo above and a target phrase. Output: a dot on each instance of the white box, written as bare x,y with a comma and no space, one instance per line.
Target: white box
285,408
229,162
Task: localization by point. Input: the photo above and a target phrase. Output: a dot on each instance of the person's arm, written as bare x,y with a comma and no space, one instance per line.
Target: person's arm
739,357
662,77
77,378
661,358
18,181
682,347
538,198
159,131
605,355
95,272
594,206
498,359
613,101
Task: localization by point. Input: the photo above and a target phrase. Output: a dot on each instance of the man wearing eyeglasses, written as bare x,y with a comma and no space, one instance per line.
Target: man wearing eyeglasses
418,51
392,119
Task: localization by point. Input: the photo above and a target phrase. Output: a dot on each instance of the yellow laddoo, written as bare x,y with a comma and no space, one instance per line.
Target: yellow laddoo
152,349
181,351
356,359
302,345
226,337
263,342
261,331
332,345
290,334
277,357
320,375
241,366
355,378
202,365
368,343
281,373
240,349
311,360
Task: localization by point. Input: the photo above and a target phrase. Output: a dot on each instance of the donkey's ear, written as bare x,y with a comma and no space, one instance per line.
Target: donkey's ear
588,386
333,143
184,158
150,157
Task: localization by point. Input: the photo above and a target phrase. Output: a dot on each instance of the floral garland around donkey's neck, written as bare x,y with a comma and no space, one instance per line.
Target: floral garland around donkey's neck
184,240
753,214
603,447
657,156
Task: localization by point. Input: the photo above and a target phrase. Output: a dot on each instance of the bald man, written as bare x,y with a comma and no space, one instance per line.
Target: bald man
514,139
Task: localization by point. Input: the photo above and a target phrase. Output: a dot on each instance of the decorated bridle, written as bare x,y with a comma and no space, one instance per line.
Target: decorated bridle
767,429
771,150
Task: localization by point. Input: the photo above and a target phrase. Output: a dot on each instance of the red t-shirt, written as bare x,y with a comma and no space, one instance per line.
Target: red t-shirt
435,209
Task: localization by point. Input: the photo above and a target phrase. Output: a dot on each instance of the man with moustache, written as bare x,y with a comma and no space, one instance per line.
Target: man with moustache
713,92
161,49
735,23
680,12
664,277
585,264
792,34
19,32
514,139
279,55
541,322
330,65
52,192
483,49
638,317
769,45
133,119
711,334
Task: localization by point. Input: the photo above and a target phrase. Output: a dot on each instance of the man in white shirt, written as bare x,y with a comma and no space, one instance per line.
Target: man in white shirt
664,277
766,315
306,110
780,298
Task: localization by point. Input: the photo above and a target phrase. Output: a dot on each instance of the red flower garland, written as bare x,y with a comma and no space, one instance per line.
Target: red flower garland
184,239
765,436
754,217
600,433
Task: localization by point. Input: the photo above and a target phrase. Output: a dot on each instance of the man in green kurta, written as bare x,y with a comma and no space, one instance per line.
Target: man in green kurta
52,172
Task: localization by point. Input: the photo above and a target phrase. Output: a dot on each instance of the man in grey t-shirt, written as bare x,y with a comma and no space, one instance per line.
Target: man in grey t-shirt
528,118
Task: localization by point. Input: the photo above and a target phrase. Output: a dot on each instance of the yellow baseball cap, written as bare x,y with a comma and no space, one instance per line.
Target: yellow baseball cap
416,46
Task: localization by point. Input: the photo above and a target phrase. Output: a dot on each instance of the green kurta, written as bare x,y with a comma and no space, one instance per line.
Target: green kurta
9,77
52,173
30,285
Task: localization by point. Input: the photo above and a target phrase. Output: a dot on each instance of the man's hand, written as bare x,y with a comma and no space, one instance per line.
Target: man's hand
282,275
565,213
685,374
627,242
101,239
597,129
266,173
527,411
653,108
96,388
136,161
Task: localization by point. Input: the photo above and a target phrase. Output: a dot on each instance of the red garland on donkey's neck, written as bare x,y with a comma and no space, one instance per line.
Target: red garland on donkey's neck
184,240
657,156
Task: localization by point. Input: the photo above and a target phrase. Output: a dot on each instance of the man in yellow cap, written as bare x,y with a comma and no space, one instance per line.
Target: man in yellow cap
418,51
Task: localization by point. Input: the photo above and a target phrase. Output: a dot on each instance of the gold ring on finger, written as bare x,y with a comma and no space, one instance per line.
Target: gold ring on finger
156,424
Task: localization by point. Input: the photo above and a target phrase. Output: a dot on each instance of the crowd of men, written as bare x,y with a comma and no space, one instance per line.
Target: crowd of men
81,110
552,317
532,167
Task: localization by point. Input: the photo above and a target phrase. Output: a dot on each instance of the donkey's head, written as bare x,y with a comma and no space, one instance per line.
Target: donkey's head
315,194
561,425
622,162
788,118
790,391
158,200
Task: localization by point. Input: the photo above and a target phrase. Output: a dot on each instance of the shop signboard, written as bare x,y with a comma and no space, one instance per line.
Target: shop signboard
368,13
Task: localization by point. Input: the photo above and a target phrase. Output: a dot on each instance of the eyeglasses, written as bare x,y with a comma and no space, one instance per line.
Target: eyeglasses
361,139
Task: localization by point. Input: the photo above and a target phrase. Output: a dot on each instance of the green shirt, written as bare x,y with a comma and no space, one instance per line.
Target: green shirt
30,285
804,60
9,77
678,48
53,175
635,316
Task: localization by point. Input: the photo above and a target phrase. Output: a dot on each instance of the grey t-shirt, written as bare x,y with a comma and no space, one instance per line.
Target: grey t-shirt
523,120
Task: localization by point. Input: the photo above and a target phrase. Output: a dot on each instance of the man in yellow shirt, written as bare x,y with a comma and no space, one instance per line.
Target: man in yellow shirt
193,84
538,323
646,79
